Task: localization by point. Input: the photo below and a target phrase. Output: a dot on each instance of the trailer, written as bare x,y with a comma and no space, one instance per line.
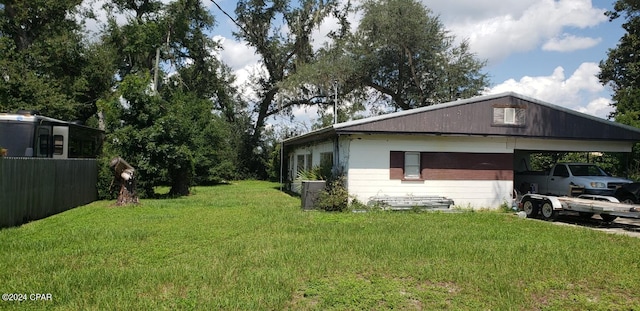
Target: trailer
550,207
27,134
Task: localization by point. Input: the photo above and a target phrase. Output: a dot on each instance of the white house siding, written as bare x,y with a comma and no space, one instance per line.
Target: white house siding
364,160
314,150
368,169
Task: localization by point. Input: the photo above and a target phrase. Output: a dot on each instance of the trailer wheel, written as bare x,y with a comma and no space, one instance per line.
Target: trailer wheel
548,212
585,215
608,218
530,208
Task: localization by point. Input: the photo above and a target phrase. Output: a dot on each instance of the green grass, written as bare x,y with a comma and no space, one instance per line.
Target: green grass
247,246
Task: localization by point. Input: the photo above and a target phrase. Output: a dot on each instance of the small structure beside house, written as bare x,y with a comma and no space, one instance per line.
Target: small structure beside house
466,150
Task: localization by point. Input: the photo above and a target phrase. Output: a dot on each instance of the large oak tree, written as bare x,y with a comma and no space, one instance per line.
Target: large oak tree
45,62
621,71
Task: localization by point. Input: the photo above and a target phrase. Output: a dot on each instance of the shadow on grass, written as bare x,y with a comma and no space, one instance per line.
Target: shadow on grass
163,192
287,191
595,222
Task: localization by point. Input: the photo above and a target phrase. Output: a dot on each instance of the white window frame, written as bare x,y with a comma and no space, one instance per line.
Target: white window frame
412,165
509,115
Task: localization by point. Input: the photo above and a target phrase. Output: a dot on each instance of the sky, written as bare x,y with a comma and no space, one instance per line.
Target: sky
545,49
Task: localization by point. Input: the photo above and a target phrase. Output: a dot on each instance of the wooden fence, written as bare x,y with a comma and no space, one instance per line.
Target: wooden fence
34,188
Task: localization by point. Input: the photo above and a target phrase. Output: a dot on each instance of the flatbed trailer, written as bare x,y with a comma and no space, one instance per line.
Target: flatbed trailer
550,207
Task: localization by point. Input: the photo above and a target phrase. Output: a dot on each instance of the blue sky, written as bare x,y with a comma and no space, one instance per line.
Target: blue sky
544,49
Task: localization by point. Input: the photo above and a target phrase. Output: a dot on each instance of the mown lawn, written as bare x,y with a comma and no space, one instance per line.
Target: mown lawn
248,246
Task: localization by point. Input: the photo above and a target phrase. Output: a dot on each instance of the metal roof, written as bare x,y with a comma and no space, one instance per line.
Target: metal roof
475,117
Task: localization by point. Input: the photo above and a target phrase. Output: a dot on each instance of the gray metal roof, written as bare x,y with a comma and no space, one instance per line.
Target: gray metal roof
475,117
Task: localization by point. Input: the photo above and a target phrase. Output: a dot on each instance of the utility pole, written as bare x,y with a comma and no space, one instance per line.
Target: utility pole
335,102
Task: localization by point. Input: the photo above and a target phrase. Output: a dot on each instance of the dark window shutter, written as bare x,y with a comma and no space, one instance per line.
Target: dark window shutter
423,164
396,165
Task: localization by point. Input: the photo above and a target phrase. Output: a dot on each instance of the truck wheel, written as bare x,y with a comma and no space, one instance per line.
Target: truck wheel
608,218
530,208
548,212
627,200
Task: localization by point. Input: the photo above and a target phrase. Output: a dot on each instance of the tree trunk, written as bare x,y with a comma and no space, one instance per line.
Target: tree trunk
180,183
124,174
127,194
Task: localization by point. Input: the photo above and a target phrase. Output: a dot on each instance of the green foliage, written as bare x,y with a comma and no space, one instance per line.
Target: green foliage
312,174
177,141
334,197
406,54
45,63
250,247
179,130
614,164
403,53
621,72
318,172
282,52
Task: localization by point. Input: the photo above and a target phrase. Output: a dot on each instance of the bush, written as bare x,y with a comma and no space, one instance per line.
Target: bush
334,197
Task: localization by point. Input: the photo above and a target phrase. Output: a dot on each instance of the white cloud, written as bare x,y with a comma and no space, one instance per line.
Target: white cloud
517,28
236,54
581,91
569,43
599,107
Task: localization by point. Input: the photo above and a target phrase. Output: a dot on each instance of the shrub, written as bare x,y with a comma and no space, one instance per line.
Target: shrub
334,197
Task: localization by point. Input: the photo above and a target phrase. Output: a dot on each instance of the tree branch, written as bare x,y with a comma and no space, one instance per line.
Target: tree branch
395,96
229,16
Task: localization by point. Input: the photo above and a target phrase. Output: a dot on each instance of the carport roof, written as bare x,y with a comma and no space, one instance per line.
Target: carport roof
477,117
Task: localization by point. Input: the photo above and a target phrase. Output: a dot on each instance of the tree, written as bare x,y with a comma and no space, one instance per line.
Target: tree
172,129
45,64
402,53
621,71
282,48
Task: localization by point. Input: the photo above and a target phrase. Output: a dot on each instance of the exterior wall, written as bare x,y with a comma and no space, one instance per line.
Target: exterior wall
314,150
369,175
365,161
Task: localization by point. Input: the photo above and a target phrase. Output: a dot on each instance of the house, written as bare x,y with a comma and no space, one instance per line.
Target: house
466,150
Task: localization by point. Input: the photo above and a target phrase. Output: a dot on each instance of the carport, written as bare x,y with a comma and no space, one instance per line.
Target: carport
467,150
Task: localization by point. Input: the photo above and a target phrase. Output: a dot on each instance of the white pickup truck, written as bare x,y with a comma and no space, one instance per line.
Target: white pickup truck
558,181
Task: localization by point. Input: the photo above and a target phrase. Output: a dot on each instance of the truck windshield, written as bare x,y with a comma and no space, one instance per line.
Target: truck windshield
586,170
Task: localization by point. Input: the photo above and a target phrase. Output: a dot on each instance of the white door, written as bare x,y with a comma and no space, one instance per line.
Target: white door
60,142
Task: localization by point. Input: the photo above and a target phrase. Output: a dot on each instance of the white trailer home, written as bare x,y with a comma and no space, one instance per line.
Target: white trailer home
466,150
27,134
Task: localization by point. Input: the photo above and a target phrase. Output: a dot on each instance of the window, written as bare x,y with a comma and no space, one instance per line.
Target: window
300,163
326,160
309,161
509,116
412,165
304,162
406,165
43,142
561,171
58,144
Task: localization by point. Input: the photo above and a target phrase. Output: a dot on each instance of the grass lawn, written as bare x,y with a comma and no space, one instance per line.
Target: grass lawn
247,246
